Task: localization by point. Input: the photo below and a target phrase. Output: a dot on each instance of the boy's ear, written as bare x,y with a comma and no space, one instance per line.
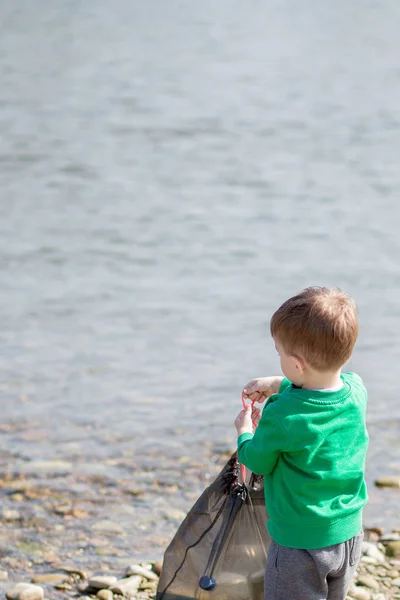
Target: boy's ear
299,364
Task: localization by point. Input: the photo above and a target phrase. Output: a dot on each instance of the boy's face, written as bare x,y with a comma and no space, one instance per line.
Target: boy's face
292,366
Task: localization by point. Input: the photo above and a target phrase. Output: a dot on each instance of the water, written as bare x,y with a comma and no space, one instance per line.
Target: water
170,173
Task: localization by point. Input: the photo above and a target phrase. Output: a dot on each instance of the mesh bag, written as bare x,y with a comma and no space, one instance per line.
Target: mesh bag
219,551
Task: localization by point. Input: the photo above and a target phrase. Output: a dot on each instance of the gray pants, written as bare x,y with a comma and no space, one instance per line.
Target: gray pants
323,574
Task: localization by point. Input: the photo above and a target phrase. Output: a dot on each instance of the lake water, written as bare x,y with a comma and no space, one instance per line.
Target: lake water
170,172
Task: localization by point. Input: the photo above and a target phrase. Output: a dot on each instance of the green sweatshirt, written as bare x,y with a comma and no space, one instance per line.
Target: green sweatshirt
311,447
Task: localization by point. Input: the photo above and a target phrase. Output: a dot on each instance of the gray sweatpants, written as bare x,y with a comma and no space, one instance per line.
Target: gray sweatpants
323,574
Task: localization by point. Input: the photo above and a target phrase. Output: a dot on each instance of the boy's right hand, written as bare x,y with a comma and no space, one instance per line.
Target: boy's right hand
262,388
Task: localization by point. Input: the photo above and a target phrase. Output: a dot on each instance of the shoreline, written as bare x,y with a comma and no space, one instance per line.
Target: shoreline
377,577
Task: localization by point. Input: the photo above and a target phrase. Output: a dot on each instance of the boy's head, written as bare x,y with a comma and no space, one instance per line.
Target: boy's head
317,327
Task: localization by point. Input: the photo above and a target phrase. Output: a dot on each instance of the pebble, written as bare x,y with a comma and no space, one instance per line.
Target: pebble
107,527
3,575
101,582
372,551
157,567
138,570
50,578
360,593
105,595
390,482
368,581
25,591
127,586
393,573
393,548
11,515
396,581
75,571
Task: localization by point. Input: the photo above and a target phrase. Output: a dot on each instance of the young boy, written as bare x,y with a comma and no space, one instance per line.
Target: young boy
310,444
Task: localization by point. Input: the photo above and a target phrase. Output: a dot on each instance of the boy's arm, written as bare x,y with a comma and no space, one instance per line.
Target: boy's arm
260,451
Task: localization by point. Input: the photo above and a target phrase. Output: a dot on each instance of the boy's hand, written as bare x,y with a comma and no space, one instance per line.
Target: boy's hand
262,388
247,419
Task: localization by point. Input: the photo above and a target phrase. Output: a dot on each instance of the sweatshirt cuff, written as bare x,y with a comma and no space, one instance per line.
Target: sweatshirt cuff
243,438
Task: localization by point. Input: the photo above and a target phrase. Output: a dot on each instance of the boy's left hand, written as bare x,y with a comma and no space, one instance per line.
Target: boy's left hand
245,419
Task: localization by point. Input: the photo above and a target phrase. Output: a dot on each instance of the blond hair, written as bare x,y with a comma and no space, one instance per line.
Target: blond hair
319,324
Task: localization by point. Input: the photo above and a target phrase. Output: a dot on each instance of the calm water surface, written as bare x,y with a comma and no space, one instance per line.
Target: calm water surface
170,173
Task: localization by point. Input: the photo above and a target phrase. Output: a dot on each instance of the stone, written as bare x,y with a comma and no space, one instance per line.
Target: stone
393,548
372,550
17,497
359,593
368,581
105,595
396,582
107,527
84,588
369,560
11,515
138,570
63,585
50,578
75,571
391,482
3,575
393,573
25,591
157,566
101,582
127,586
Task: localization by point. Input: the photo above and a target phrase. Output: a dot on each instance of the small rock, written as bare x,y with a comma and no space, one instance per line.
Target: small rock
393,548
11,515
391,482
75,571
359,593
84,588
370,560
102,582
138,570
379,597
128,586
84,598
393,573
396,581
50,578
64,585
17,497
105,595
157,567
368,581
3,575
372,551
107,527
25,591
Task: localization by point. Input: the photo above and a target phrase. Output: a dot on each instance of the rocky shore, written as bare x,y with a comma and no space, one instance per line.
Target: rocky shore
377,577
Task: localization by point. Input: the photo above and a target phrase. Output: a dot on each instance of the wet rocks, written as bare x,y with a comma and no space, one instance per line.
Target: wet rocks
388,482
50,578
25,591
127,586
368,581
102,582
105,595
138,570
393,548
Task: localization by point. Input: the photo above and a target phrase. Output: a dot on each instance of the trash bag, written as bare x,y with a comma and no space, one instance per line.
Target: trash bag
219,551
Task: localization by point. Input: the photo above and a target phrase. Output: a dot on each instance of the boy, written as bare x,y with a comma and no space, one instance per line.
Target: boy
310,444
